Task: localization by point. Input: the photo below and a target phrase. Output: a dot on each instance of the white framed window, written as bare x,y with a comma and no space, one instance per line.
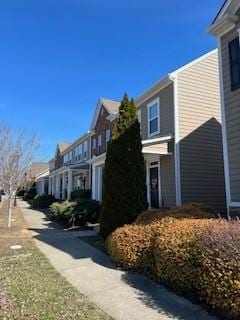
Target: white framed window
107,136
85,147
153,117
65,159
99,143
70,157
80,152
94,144
76,150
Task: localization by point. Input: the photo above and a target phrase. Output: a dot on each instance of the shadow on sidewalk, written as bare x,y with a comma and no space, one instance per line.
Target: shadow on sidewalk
151,294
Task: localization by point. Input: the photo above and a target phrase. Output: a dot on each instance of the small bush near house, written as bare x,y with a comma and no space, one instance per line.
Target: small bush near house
76,212
189,210
131,247
20,192
43,202
80,194
219,279
198,257
31,193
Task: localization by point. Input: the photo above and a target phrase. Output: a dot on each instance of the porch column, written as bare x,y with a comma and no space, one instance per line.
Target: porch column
63,185
57,186
50,186
94,182
70,182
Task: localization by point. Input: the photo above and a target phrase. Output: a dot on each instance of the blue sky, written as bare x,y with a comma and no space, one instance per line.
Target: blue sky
58,56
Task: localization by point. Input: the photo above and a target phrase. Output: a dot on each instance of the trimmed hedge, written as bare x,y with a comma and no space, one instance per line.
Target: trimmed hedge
198,257
189,210
131,247
43,202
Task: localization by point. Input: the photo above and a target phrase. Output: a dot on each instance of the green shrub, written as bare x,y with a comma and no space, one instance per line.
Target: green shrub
20,192
42,202
81,194
76,212
131,248
189,210
31,193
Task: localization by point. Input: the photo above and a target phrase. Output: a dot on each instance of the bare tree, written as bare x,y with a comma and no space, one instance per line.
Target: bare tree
17,151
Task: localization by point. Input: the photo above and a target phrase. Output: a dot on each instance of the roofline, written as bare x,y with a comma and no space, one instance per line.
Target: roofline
220,10
166,81
100,102
76,142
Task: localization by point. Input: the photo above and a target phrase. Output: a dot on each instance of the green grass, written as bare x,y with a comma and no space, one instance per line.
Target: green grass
35,290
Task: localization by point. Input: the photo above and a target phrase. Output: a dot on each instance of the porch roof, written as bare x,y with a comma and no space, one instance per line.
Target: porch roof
158,146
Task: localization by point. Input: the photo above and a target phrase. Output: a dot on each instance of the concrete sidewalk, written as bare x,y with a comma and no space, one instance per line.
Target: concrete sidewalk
124,296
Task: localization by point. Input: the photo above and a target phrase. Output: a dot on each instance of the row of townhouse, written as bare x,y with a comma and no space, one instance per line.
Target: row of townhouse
180,120
226,27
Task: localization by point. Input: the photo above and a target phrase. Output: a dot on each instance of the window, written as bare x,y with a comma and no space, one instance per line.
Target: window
76,151
107,136
94,144
85,150
70,157
139,116
80,153
153,117
234,57
99,143
65,159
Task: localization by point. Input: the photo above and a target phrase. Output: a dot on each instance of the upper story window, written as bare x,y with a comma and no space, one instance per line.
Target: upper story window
76,153
94,144
65,159
99,143
153,117
234,59
85,147
107,135
80,152
70,157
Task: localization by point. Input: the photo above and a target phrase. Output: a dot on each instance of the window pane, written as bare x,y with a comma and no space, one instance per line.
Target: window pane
153,125
234,50
153,112
235,74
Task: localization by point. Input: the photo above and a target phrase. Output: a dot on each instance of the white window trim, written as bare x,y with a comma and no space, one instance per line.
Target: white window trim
149,105
107,130
85,150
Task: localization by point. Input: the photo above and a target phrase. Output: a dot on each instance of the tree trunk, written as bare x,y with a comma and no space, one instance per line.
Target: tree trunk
9,212
15,200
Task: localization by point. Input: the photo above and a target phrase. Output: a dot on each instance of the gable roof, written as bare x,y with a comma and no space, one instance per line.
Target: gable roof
61,147
220,10
112,107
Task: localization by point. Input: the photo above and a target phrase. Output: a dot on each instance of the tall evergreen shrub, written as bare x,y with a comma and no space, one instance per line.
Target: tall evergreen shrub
125,193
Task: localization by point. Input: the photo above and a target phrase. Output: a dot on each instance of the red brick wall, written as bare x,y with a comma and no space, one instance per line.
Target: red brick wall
100,128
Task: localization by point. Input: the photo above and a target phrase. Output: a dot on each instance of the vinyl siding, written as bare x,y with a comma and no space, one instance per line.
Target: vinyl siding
167,174
201,153
232,113
166,113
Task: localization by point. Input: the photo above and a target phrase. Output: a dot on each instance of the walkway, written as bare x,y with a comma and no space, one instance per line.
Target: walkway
124,296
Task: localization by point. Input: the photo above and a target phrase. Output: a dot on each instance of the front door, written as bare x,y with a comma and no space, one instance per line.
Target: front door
154,188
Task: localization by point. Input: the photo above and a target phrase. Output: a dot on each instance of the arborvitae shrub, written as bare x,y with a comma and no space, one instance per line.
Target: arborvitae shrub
124,175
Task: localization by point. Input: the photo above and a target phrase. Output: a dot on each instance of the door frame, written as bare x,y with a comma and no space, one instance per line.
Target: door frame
153,163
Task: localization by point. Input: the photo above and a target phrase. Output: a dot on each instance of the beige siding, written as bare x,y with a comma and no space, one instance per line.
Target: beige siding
167,173
201,156
232,112
166,113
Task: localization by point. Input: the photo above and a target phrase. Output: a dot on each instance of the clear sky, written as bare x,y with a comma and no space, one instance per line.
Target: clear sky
58,56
